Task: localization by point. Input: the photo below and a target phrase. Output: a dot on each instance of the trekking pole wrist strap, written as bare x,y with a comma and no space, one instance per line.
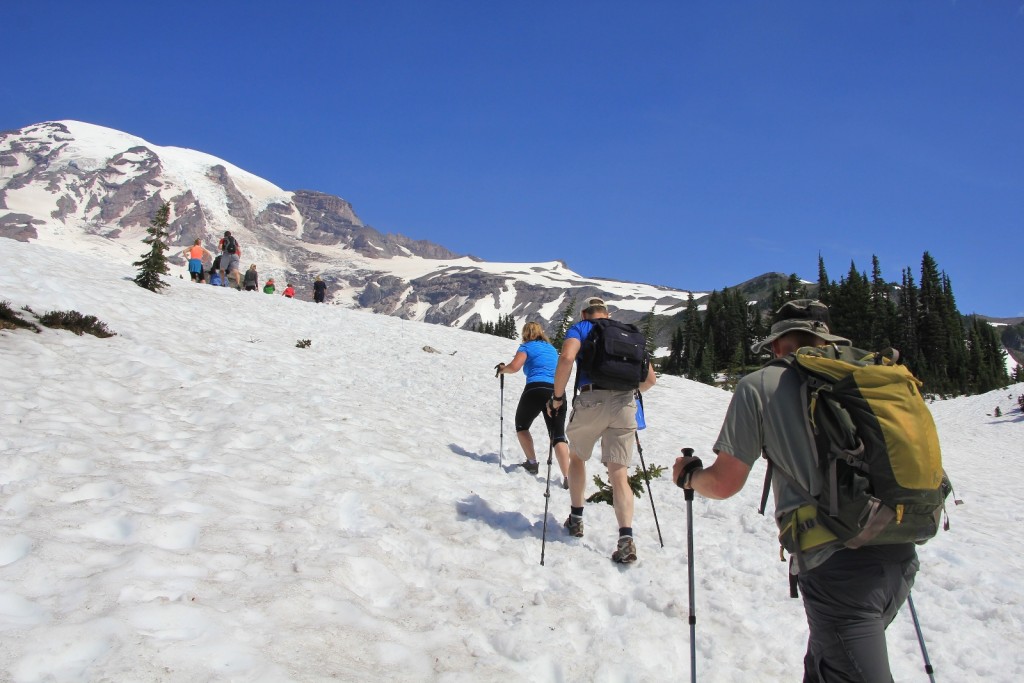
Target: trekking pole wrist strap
689,469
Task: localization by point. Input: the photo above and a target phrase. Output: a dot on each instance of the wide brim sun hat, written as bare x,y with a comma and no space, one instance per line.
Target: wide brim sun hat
806,315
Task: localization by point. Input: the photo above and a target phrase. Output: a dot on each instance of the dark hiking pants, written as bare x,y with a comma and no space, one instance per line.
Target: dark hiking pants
850,600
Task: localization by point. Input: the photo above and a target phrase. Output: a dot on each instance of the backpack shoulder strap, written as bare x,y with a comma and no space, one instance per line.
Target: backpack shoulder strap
807,380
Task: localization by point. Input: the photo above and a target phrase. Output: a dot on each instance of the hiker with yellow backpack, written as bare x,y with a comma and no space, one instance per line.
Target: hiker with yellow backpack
853,456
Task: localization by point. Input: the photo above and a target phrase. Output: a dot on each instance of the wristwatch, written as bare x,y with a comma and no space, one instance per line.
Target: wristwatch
560,399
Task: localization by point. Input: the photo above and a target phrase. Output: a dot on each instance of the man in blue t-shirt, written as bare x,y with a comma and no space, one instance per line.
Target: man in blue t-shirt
598,413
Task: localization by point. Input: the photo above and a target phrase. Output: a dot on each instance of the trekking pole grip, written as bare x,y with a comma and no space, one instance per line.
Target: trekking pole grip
688,493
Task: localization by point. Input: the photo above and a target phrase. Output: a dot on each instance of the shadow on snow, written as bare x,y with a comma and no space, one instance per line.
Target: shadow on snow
490,458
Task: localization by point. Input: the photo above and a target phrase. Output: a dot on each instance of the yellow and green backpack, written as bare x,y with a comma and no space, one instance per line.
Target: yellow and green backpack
877,449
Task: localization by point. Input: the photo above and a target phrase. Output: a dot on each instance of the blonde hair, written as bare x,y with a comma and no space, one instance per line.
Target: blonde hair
533,332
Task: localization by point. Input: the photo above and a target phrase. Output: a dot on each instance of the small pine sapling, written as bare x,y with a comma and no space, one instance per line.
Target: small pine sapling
154,263
636,484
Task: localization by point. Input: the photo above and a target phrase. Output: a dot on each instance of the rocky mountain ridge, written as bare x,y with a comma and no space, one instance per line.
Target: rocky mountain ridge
82,186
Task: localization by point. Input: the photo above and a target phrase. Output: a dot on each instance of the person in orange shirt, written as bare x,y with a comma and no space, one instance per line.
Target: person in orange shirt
195,255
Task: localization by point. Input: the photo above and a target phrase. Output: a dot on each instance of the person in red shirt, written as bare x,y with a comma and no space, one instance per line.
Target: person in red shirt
289,291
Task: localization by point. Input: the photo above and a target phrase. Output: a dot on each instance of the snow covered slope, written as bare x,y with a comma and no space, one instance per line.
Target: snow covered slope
197,499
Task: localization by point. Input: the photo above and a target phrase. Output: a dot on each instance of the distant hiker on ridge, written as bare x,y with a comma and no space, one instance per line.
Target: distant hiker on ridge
229,260
252,279
600,412
539,358
195,255
215,277
319,290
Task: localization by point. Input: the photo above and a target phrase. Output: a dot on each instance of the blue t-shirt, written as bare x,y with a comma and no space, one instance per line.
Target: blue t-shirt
541,359
579,331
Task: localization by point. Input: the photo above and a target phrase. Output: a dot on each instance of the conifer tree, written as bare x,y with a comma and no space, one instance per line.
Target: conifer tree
906,322
883,310
851,308
154,263
706,362
757,329
712,329
564,323
824,286
795,288
931,324
956,341
650,332
986,360
509,330
692,335
737,366
674,363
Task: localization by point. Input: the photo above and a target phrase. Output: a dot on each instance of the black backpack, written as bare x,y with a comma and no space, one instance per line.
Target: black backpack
614,355
230,245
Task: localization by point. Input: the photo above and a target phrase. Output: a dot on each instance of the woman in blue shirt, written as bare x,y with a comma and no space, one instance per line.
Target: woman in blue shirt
538,358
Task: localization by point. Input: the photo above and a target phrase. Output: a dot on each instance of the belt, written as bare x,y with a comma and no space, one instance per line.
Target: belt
592,387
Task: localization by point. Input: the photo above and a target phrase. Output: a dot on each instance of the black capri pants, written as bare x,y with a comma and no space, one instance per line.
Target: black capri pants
532,403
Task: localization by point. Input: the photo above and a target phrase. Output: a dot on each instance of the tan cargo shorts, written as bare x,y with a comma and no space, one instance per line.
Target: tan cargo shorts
606,415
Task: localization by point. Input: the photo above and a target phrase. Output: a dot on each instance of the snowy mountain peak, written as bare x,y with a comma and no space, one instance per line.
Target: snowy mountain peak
84,187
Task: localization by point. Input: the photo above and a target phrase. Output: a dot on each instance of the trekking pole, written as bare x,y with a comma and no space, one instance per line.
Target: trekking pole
688,452
920,639
647,480
547,499
646,477
501,438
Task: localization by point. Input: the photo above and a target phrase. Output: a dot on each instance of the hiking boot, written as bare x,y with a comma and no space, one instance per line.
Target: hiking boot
626,552
574,525
531,466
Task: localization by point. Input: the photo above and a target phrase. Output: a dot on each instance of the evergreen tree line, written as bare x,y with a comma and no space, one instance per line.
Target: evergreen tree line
952,354
505,327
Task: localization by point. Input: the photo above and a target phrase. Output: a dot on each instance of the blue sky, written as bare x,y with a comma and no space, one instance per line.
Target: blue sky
688,144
